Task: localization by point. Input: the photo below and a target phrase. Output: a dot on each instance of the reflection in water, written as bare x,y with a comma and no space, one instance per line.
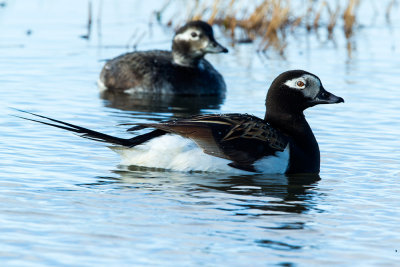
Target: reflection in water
269,194
286,194
260,201
179,105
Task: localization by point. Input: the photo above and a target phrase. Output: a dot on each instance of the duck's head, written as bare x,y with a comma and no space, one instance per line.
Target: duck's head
296,90
192,41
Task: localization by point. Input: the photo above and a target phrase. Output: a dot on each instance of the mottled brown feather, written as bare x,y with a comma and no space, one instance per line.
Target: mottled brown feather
228,136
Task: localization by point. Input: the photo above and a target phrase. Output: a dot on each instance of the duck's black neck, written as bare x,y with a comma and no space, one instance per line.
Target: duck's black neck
304,150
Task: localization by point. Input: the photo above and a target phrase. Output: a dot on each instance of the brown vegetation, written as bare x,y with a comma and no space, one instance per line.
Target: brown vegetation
271,20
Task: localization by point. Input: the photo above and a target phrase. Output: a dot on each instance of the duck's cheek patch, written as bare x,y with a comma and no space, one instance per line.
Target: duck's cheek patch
311,92
187,36
204,44
308,85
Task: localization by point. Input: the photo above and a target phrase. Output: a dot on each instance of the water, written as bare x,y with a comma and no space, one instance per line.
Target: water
67,201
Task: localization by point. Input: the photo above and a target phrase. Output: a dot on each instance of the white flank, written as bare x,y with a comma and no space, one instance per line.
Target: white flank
177,153
274,164
101,85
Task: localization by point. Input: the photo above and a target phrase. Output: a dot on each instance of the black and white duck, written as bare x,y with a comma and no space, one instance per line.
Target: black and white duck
281,142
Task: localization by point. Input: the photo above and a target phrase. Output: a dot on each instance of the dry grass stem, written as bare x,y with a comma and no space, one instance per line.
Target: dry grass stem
268,21
349,17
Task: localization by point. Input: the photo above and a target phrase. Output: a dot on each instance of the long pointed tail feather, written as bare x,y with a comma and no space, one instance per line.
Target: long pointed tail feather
94,135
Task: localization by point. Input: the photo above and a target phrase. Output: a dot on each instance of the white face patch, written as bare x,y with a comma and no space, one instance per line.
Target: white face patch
188,35
196,39
307,84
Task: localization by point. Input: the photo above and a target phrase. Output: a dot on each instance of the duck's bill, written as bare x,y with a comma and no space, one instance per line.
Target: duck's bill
215,47
325,97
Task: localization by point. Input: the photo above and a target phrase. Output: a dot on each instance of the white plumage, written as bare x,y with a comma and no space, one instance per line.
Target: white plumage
177,153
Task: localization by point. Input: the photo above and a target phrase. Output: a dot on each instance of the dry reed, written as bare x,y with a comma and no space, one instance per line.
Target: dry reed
270,20
349,17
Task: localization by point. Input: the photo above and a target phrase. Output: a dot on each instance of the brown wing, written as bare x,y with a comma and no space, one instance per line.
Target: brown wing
201,132
238,137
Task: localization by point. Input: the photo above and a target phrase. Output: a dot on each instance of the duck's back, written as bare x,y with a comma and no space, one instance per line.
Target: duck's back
154,72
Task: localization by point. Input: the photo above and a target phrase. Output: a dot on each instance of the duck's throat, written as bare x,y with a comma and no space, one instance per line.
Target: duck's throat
184,60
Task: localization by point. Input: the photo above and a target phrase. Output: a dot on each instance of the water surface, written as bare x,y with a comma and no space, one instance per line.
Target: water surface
67,201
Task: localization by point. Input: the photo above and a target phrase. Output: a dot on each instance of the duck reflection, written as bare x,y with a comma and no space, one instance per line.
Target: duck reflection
178,105
276,193
261,194
261,204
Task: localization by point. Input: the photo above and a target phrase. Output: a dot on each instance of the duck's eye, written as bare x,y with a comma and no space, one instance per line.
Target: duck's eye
194,34
300,84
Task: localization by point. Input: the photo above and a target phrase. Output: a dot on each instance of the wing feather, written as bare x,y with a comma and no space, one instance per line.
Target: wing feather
241,138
